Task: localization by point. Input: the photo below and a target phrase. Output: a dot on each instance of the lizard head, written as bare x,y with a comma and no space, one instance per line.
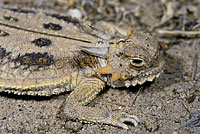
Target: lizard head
131,61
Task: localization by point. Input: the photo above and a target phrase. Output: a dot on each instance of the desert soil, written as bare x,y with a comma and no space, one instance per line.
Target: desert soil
171,101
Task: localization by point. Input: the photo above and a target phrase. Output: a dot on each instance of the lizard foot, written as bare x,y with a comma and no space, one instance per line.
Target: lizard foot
119,119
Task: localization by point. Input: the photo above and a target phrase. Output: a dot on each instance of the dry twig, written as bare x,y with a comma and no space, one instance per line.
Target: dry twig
178,33
139,91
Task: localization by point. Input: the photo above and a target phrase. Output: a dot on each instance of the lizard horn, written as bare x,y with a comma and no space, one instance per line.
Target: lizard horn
96,51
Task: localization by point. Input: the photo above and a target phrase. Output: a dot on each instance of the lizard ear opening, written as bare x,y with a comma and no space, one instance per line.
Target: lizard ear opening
96,51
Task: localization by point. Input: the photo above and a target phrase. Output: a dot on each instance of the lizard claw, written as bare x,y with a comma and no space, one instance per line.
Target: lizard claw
119,119
129,120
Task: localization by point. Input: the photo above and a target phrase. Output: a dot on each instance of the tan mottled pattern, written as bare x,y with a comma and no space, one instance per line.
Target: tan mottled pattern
69,56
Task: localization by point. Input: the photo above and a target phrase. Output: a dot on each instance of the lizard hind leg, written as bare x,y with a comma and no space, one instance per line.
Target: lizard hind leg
76,109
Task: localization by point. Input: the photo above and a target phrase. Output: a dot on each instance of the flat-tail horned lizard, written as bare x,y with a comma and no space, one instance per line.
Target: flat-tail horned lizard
45,54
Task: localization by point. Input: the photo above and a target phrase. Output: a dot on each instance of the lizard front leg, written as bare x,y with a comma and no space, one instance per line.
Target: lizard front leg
86,91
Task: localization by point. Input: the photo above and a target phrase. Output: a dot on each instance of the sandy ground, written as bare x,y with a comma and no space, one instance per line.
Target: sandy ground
162,106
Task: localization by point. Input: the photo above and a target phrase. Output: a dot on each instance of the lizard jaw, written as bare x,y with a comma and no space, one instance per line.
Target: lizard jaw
150,78
139,80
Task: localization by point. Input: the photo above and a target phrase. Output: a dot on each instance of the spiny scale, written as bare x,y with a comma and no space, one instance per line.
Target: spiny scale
45,54
31,46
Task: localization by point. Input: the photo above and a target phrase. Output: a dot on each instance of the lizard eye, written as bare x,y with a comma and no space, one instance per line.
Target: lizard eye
137,62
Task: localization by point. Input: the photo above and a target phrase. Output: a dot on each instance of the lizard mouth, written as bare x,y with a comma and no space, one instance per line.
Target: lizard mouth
147,76
141,78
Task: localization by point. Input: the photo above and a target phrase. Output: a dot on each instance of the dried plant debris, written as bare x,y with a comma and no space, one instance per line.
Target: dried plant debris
171,15
178,33
193,122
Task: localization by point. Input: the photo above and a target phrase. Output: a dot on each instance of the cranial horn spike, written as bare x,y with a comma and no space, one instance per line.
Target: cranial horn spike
134,82
96,51
115,76
129,32
157,75
142,81
105,70
151,77
127,83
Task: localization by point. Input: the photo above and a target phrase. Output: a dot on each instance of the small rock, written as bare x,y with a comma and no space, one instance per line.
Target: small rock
74,13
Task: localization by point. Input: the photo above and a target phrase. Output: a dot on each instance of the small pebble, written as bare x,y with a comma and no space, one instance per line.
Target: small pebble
74,13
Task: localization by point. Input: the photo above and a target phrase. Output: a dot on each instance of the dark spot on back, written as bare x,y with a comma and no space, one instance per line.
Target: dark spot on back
3,52
20,10
42,42
9,18
65,18
82,60
52,26
3,34
57,16
35,59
